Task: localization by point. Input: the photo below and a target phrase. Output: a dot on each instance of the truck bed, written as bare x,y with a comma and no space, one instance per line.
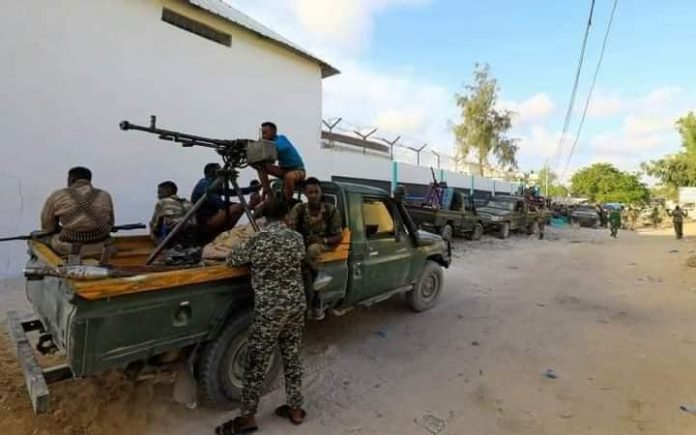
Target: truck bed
132,251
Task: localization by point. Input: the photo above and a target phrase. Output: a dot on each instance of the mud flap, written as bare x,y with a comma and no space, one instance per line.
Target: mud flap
33,375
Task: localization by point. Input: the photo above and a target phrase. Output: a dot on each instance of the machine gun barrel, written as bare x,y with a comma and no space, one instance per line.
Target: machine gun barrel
185,139
39,234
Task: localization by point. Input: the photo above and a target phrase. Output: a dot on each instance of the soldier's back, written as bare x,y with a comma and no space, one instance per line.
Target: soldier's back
276,259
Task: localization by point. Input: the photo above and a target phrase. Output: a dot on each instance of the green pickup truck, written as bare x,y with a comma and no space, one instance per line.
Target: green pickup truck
503,214
447,223
149,315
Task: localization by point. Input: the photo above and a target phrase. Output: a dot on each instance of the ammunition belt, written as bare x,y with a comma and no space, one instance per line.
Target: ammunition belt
82,236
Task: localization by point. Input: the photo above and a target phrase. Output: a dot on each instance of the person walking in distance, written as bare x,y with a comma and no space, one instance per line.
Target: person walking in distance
678,220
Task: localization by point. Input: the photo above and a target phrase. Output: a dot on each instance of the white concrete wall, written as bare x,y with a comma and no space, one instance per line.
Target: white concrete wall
72,69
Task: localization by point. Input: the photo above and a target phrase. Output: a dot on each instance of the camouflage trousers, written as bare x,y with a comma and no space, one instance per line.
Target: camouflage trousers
270,328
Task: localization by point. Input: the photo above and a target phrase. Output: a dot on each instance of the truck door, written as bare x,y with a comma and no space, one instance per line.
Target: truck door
387,250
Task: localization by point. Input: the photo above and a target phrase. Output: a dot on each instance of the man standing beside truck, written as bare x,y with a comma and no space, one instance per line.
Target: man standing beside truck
275,254
81,215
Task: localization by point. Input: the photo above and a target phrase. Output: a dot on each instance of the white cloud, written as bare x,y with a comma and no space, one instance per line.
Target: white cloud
328,25
605,105
536,108
348,23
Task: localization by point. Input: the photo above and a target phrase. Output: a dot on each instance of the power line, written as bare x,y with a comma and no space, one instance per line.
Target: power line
594,81
573,93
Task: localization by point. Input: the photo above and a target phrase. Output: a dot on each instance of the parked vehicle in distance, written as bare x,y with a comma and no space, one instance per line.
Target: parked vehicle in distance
585,216
463,220
503,214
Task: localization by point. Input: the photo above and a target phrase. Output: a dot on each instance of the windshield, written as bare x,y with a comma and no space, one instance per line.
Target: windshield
504,204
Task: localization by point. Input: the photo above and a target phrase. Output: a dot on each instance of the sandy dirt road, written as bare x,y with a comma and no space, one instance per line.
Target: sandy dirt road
614,319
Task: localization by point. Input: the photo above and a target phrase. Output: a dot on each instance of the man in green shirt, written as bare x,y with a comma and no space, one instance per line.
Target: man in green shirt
614,222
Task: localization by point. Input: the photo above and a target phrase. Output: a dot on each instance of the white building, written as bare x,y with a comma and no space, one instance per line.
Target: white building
73,69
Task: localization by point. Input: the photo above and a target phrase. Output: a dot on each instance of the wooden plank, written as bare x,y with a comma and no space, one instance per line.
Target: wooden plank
92,290
45,253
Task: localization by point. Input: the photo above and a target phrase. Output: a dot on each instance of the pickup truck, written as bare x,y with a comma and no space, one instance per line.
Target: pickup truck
585,216
447,223
503,214
151,315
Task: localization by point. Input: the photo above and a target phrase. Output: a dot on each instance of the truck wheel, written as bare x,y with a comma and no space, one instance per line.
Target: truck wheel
427,289
504,231
446,232
222,361
478,232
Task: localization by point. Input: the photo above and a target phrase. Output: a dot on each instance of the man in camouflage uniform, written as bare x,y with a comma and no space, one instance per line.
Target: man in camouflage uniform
319,222
541,221
275,254
81,215
169,211
320,225
678,220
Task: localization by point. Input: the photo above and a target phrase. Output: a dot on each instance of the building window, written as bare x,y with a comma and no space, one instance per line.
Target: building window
193,26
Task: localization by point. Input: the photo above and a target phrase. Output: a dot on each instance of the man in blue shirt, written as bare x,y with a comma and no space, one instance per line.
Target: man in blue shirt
290,167
212,215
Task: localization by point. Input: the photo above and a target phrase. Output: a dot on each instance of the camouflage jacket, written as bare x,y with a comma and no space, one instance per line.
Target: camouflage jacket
168,213
275,254
314,228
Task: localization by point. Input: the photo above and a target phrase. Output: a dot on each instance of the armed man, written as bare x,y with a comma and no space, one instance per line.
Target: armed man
169,211
80,216
215,215
678,220
320,225
275,253
290,166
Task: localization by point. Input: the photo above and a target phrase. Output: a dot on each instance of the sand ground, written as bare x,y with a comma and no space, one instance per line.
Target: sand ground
614,319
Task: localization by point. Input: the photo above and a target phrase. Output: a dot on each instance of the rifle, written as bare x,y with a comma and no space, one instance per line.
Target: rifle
235,153
41,234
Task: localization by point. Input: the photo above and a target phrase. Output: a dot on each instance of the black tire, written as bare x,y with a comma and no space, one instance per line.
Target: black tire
446,232
221,364
478,232
504,231
428,288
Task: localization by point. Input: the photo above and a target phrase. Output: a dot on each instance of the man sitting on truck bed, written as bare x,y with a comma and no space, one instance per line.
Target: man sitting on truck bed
169,212
320,225
275,253
290,166
214,215
81,215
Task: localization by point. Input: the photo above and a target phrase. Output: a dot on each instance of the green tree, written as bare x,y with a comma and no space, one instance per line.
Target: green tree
602,182
678,169
483,127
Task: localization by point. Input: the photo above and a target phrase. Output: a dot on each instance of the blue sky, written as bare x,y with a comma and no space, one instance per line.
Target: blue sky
402,60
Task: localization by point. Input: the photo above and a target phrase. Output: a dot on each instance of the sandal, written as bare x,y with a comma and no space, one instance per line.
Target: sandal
284,412
240,425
